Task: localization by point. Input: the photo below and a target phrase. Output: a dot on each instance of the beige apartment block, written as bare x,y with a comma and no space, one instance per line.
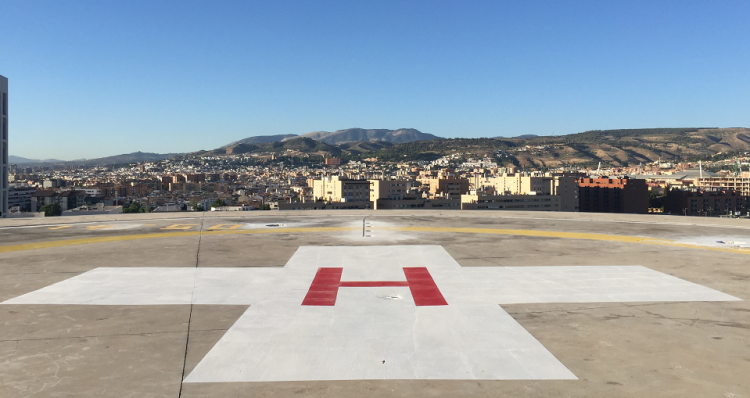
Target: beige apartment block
3,147
336,189
566,188
446,187
389,189
739,184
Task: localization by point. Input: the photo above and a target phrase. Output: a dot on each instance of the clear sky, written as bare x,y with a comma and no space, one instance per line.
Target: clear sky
98,78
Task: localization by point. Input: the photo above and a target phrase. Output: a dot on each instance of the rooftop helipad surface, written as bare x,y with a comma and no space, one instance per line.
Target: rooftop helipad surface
371,304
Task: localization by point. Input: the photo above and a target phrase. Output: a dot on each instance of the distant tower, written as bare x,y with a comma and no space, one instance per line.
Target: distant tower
3,147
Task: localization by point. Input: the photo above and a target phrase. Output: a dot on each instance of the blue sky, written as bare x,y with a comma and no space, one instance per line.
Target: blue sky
99,78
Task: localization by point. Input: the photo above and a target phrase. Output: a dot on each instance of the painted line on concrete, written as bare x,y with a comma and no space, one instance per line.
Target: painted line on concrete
625,222
167,220
513,232
567,235
383,214
106,239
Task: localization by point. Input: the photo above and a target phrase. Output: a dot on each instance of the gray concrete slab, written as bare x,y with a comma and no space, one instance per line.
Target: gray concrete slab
696,349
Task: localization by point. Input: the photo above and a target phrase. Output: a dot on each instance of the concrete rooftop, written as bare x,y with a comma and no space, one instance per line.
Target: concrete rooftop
679,325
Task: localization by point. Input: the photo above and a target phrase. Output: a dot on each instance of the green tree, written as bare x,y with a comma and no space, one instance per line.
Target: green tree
196,206
135,207
218,203
52,210
655,201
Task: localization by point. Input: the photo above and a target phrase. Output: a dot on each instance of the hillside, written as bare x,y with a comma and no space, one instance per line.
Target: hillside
123,159
611,147
295,147
262,139
21,160
343,136
128,158
376,135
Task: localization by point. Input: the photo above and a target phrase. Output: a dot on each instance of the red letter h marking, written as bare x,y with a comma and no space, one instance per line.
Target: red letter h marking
327,282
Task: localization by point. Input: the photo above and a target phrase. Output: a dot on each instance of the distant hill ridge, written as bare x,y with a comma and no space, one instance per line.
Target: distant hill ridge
262,139
611,147
105,161
21,160
398,136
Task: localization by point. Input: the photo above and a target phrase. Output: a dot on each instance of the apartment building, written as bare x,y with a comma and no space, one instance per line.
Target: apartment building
4,147
564,187
705,203
446,187
511,202
419,203
336,189
389,189
20,197
613,195
739,184
66,199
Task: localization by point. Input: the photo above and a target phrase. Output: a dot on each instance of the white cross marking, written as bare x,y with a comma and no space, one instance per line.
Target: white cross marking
373,332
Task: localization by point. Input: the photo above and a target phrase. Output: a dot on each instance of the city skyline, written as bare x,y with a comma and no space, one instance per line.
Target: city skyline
91,80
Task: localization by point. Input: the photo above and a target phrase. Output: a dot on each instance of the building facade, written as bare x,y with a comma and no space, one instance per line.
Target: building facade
4,147
419,203
612,195
738,184
20,198
706,203
446,187
389,189
564,187
335,189
511,202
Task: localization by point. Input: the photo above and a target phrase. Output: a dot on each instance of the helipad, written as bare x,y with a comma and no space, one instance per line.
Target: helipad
398,303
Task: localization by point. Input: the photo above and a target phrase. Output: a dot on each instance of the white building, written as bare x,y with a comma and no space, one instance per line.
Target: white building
3,146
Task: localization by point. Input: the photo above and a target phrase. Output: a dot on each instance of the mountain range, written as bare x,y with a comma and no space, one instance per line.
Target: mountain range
616,148
337,137
20,160
611,147
262,139
398,136
105,161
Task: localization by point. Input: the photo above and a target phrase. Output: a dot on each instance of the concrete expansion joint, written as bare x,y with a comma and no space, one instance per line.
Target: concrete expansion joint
192,296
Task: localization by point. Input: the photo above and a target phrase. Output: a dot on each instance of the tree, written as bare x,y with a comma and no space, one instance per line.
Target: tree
196,206
52,210
218,203
264,206
655,201
135,207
